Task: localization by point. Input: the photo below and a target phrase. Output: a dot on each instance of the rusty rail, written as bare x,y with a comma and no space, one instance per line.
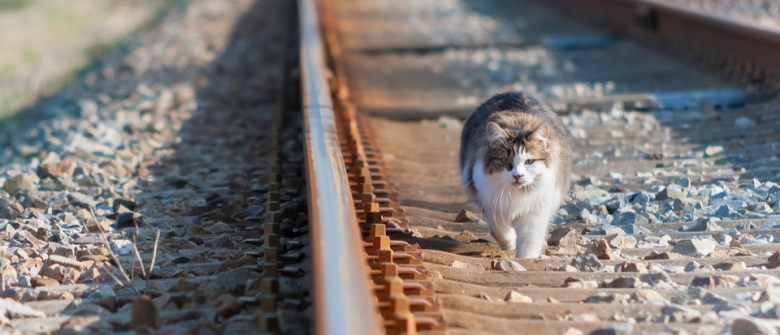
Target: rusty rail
401,284
343,302
746,49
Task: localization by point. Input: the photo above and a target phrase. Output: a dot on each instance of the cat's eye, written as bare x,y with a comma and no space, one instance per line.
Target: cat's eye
505,161
529,161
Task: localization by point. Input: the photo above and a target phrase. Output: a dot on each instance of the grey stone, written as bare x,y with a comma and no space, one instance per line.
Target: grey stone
615,204
466,216
674,269
289,288
54,169
684,182
631,267
767,310
104,297
63,261
640,198
589,218
16,310
720,302
684,204
678,313
672,191
614,329
564,237
629,218
586,263
517,297
33,201
725,240
234,280
749,240
744,122
130,219
762,207
80,200
508,265
611,230
578,133
20,182
622,241
725,211
713,150
708,224
625,282
646,295
696,246
10,210
636,229
607,298
692,266
580,284
753,326
654,278
126,203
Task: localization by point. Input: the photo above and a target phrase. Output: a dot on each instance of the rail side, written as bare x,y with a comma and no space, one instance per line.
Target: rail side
343,300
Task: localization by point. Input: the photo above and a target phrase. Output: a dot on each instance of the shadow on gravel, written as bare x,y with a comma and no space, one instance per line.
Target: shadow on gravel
214,180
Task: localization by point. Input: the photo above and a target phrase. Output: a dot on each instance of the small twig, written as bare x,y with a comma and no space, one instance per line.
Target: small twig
138,256
110,252
132,265
154,257
108,271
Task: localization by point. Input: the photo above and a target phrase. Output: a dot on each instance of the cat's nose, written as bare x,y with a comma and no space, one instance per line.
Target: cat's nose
517,177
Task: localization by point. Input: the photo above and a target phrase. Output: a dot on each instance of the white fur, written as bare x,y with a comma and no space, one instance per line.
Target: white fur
518,219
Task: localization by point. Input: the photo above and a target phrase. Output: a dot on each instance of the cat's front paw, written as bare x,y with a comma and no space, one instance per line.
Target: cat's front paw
527,252
505,241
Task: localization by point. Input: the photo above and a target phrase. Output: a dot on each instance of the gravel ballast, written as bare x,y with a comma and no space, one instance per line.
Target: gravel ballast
167,133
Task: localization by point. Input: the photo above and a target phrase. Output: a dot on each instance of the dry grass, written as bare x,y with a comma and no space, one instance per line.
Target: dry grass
44,42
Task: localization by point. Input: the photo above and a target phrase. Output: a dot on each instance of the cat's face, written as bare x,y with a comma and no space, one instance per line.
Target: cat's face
516,158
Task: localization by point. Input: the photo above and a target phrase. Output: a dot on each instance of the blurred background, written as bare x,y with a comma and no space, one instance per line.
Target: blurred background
46,43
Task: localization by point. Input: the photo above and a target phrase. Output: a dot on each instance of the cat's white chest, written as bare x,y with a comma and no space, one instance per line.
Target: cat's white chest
510,202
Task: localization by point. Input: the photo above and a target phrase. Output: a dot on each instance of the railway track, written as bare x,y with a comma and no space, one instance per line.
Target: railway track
670,226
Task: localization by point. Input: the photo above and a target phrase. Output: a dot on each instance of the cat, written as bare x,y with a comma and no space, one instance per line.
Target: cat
515,164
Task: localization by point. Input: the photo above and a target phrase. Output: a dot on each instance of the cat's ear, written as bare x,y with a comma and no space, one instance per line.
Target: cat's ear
495,132
541,134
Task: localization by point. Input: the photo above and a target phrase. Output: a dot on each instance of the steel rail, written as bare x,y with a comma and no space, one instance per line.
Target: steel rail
747,47
344,303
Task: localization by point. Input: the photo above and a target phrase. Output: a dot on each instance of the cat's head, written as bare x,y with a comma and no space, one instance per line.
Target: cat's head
517,154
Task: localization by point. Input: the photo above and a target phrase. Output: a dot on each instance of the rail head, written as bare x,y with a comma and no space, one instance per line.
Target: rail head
343,298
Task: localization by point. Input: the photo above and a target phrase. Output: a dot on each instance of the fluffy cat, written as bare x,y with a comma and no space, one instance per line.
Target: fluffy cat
515,164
